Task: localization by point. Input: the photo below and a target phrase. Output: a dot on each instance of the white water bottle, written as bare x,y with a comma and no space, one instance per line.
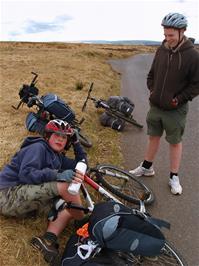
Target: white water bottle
74,187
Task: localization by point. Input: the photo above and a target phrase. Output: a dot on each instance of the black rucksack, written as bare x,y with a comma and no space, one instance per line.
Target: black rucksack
117,227
107,120
34,123
102,257
113,227
57,107
122,104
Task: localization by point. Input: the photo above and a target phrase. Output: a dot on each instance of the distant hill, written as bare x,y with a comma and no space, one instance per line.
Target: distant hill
129,42
123,42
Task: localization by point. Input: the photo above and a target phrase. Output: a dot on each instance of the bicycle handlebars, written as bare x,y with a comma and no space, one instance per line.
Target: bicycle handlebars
88,97
28,91
98,103
34,80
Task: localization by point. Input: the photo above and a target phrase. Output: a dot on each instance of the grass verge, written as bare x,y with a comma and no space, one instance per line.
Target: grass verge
66,70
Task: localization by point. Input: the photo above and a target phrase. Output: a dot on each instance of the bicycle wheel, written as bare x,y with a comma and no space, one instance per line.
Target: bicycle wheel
123,184
128,119
84,140
169,257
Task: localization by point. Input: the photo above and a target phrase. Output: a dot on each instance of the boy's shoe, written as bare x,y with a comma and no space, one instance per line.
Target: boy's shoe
174,183
56,261
48,248
141,171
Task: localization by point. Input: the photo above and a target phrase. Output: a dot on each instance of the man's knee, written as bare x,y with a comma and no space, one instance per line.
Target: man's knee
154,138
174,139
176,145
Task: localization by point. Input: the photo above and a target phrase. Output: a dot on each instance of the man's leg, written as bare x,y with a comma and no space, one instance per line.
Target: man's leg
146,169
152,148
155,131
175,157
174,123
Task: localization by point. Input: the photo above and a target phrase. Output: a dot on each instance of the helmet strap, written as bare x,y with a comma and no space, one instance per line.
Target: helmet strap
179,39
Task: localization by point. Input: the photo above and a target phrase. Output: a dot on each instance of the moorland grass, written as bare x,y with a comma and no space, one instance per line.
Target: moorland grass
66,70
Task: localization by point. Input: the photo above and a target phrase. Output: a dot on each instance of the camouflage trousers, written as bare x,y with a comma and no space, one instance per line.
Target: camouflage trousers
21,200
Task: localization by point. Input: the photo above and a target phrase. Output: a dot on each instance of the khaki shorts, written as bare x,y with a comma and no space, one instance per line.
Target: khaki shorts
21,200
172,122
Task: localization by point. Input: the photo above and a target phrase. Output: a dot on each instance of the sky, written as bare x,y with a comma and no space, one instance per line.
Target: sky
78,20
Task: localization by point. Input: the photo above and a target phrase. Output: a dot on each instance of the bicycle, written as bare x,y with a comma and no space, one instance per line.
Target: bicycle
116,184
29,96
100,103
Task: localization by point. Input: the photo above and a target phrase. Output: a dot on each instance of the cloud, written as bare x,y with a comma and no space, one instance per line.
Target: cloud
64,20
32,26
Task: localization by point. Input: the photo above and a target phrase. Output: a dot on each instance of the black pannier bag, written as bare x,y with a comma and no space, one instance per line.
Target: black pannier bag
122,104
102,257
117,227
34,123
56,106
108,120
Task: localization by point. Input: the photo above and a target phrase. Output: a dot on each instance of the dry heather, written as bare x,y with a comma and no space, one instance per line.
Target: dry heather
60,67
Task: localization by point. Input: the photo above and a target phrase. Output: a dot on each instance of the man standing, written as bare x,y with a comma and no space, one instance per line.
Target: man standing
173,80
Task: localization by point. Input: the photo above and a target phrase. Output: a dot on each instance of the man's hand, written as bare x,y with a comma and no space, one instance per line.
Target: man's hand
174,102
66,176
151,92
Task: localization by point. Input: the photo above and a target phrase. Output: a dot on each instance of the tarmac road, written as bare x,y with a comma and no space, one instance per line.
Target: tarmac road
181,211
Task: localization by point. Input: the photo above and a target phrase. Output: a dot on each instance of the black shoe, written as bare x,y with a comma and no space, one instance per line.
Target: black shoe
56,261
49,249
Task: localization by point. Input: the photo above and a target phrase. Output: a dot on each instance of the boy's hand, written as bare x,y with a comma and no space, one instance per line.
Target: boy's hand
75,137
66,176
79,177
